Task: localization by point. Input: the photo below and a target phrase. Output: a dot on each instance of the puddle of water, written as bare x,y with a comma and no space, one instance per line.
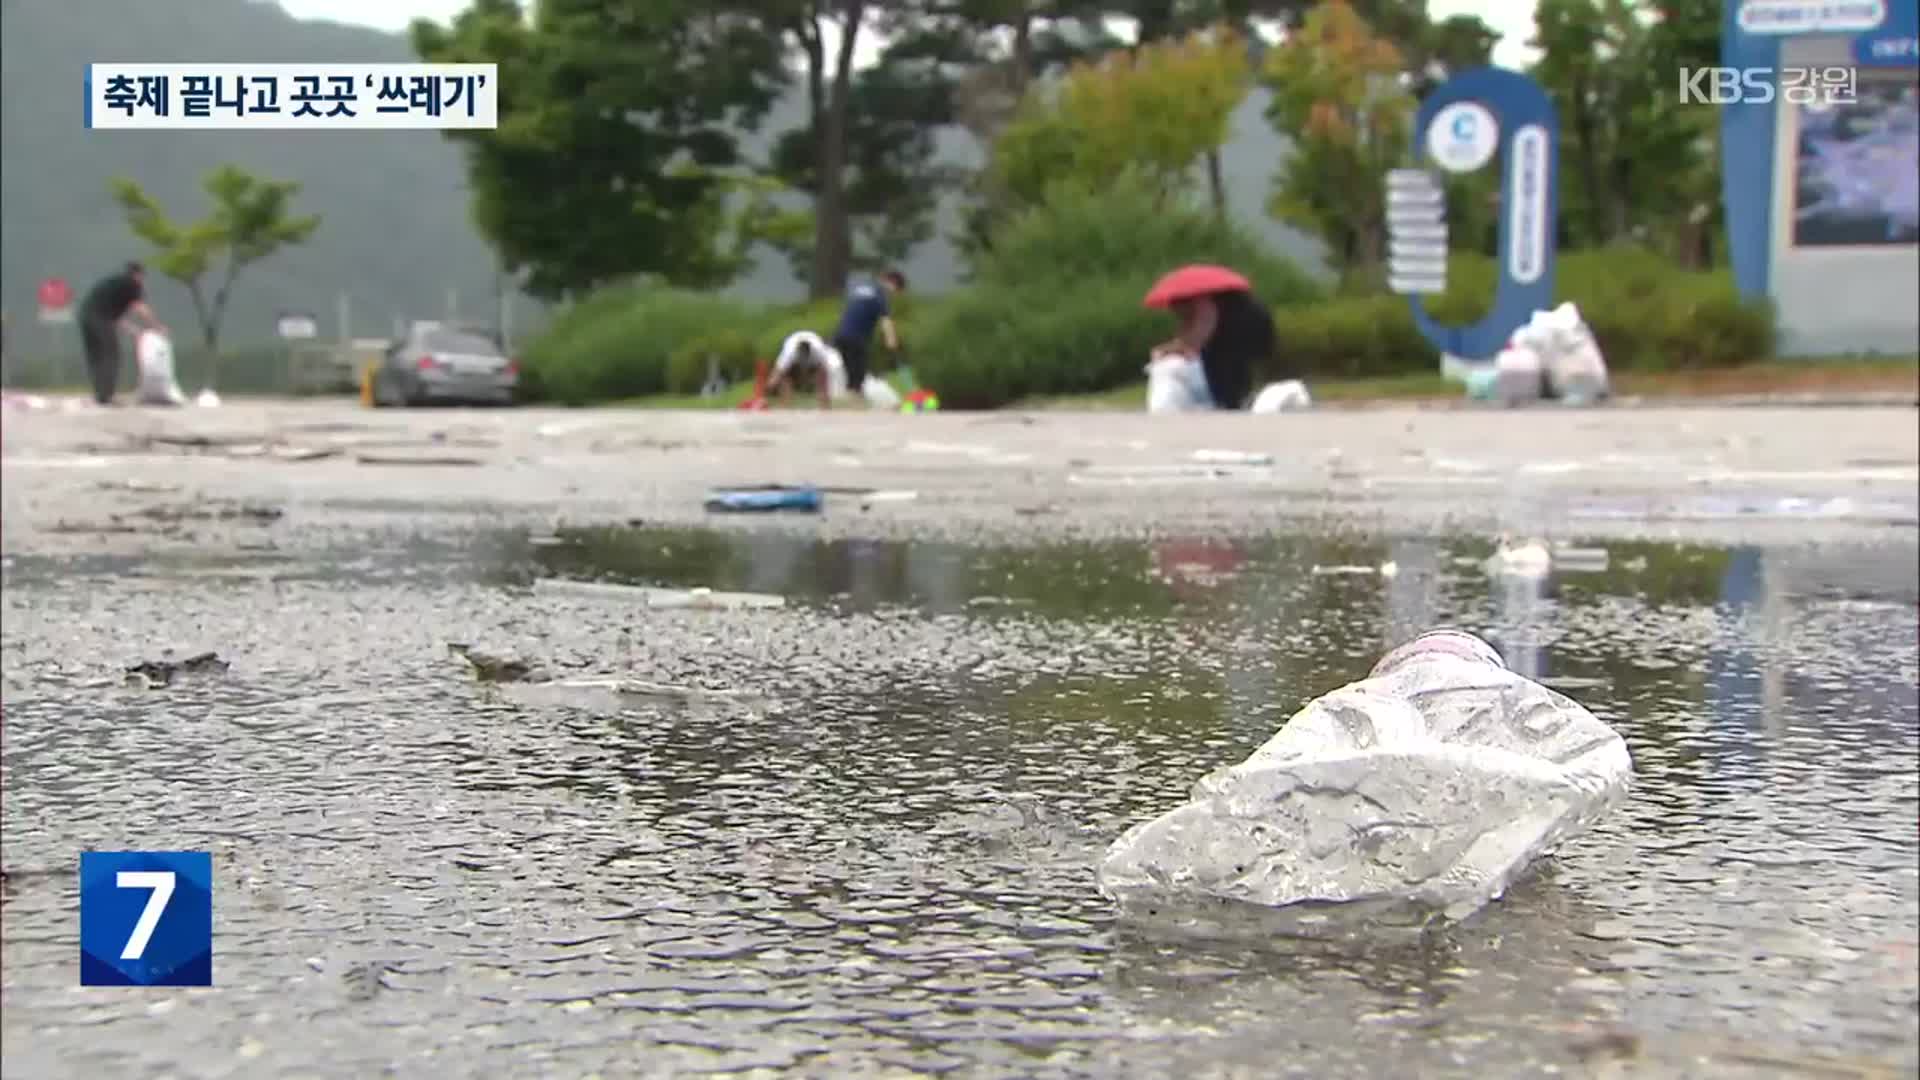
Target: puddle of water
877,854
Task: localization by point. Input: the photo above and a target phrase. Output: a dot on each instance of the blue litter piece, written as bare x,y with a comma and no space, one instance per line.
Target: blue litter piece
763,500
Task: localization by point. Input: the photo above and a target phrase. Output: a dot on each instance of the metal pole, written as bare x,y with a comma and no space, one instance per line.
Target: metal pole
343,311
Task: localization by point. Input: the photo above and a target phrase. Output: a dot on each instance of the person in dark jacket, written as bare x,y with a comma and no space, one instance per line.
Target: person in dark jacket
868,309
1232,333
101,315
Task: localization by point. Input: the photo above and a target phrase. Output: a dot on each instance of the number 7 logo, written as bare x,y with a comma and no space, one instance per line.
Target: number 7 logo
146,918
161,882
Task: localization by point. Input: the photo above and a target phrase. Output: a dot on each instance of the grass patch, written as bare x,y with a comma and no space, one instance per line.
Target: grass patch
737,393
1816,375
1813,375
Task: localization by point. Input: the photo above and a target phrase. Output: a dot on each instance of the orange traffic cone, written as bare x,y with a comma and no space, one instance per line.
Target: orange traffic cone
759,399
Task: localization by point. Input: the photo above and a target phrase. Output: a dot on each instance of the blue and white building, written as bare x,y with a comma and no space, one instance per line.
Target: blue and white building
1822,189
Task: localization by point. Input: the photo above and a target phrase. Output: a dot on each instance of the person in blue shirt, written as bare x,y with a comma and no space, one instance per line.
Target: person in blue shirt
868,310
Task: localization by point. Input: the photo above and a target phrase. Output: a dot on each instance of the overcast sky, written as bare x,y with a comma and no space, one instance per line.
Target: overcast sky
1513,19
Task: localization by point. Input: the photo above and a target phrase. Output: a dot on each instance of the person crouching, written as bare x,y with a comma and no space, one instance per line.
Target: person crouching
804,352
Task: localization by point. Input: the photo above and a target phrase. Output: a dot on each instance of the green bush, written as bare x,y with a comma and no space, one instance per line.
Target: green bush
731,351
1645,313
1351,337
1125,232
989,345
617,342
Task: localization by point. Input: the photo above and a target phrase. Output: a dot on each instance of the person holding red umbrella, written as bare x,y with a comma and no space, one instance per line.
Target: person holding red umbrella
1222,323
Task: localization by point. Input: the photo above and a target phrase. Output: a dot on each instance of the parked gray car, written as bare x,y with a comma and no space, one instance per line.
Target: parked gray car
437,363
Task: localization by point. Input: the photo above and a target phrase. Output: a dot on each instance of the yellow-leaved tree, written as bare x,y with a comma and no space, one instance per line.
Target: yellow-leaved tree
1154,111
1340,94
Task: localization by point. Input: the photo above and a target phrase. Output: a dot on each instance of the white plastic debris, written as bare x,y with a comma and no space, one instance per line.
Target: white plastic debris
1568,558
1288,396
1386,569
648,596
1232,457
616,694
154,354
1177,384
1424,789
1524,558
878,393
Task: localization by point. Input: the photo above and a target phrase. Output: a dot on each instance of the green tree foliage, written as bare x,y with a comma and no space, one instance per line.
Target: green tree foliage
1155,111
1337,91
251,219
891,184
1637,163
616,153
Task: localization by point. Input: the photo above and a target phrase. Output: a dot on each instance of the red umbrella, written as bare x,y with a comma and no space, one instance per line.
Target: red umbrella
1196,280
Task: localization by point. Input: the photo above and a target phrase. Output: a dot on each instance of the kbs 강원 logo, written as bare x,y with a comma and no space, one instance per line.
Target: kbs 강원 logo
146,918
1815,86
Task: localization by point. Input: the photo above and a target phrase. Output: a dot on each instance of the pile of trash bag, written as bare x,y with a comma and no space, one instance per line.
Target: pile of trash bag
1422,790
1177,383
1553,356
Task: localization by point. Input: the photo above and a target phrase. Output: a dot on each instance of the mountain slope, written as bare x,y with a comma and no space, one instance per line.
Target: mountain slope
395,234
395,238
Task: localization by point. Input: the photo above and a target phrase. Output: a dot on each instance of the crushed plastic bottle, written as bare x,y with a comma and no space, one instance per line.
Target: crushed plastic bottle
1423,790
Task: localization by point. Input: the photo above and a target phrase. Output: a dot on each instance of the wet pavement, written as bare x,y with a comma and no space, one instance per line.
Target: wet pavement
854,835
81,481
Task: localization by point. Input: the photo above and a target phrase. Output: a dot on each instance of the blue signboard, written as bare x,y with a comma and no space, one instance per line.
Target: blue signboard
1895,42
1882,34
1460,127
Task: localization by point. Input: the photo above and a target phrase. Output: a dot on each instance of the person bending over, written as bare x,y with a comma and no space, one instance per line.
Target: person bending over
869,308
102,317
803,351
1232,333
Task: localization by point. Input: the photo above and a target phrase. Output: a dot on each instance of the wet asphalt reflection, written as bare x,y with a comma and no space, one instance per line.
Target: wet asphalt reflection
859,837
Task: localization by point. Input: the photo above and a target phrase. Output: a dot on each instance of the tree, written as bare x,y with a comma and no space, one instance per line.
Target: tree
1641,163
891,184
1155,111
1338,91
826,33
1043,37
250,220
616,152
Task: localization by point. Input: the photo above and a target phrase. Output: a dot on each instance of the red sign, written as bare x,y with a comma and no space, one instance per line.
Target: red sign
55,293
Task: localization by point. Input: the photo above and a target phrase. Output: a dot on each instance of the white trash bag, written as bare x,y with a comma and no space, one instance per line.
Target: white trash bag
1177,384
1288,396
1424,789
154,354
1519,370
1575,369
879,394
